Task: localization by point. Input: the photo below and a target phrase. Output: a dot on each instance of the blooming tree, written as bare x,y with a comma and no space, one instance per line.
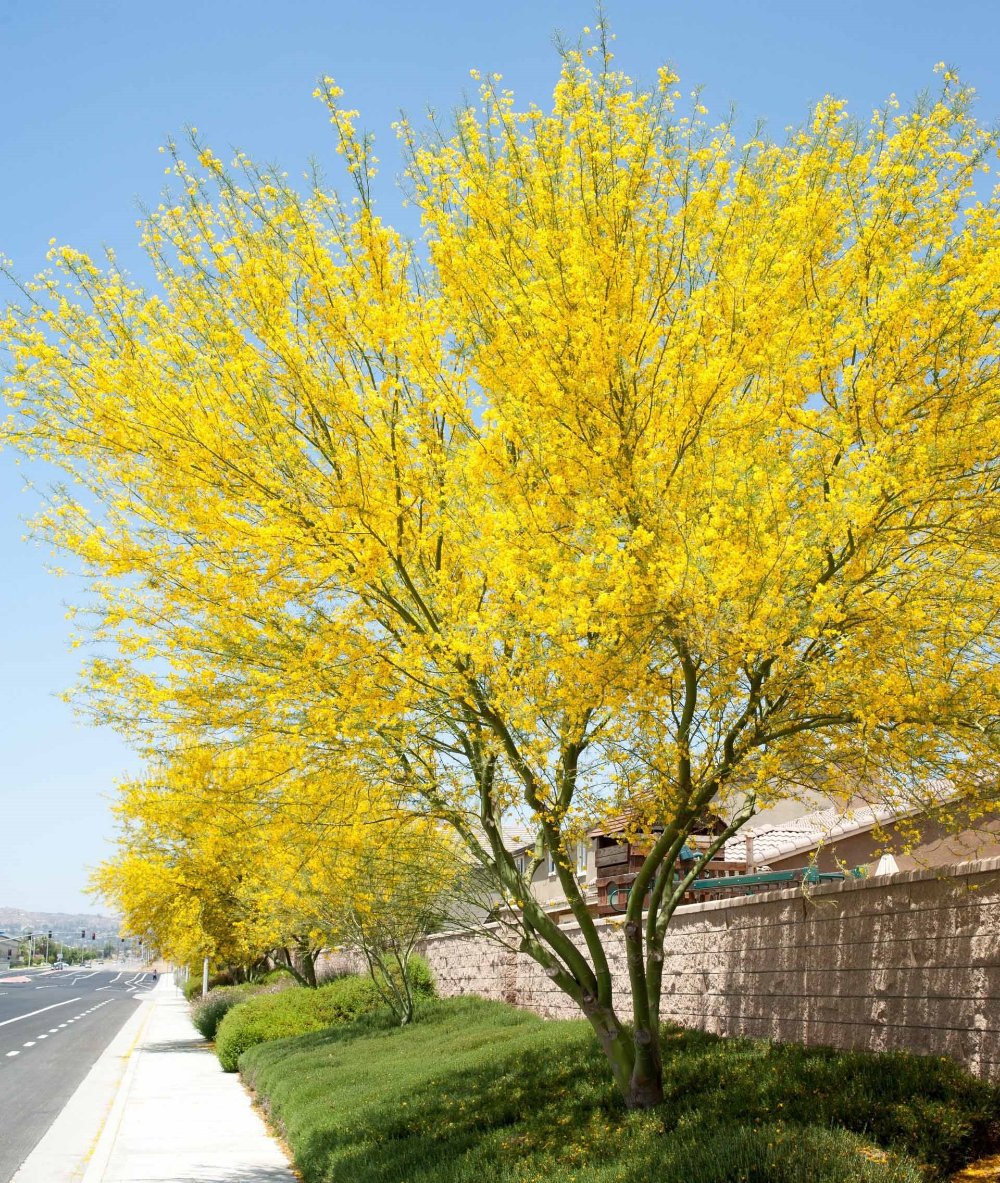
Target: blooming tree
660,475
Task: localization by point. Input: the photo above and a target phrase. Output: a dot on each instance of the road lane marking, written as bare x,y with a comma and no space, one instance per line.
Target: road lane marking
9,1054
49,987
41,1037
31,1014
30,1043
102,988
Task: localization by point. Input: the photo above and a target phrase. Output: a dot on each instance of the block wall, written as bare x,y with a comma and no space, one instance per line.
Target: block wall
908,961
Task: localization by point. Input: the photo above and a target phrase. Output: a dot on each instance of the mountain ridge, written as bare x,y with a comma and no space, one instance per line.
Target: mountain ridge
14,921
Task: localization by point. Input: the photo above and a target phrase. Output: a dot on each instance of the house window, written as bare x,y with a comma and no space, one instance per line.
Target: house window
581,859
550,864
521,863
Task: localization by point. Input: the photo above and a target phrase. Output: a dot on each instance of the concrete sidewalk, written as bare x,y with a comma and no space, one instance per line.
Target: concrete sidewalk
157,1108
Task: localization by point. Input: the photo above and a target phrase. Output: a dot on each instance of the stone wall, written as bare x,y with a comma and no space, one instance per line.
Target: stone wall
908,961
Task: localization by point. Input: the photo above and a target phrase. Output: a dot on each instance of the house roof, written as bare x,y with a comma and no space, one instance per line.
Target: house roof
517,837
798,836
804,834
622,822
612,825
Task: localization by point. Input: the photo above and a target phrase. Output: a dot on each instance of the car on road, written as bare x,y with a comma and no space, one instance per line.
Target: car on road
60,965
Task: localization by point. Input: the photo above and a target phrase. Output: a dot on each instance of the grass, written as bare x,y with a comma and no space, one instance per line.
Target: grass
478,1092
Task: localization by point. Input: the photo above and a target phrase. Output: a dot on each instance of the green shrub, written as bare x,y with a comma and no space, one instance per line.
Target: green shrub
280,974
402,998
192,987
208,1012
421,978
292,1012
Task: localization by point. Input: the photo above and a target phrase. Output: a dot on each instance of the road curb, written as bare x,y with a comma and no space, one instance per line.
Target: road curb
67,1148
104,1140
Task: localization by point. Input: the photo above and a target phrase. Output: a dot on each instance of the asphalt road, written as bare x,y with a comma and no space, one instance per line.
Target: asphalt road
53,1026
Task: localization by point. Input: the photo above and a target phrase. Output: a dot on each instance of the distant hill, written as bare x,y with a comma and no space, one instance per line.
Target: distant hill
67,926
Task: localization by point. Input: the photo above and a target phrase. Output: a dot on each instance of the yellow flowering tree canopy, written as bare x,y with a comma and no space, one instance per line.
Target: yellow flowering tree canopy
217,858
242,855
660,474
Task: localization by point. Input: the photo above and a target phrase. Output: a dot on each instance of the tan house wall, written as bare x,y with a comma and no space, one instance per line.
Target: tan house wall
547,889
938,847
908,961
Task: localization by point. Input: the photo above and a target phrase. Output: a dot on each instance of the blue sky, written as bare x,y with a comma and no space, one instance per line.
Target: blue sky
88,91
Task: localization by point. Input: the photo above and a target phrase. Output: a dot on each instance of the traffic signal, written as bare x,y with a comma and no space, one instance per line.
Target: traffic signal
93,936
83,934
50,934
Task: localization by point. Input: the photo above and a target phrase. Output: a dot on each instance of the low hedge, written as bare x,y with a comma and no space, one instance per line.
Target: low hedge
297,1011
421,977
208,1012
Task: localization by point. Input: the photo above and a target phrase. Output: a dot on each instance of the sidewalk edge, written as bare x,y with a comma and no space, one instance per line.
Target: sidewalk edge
63,1153
102,1143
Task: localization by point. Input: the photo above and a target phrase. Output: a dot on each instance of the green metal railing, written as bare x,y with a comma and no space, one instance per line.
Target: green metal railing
809,875
765,878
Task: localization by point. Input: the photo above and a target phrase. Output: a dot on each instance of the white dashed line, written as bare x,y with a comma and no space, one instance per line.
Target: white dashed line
41,1010
30,1043
9,1054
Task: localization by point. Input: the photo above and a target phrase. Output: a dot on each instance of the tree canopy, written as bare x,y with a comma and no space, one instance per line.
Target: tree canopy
660,474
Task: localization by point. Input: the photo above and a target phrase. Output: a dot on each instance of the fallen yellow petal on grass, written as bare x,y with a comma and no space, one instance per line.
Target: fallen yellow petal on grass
986,1170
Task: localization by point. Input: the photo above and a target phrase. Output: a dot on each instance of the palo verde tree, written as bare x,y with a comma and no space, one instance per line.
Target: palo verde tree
410,880
661,475
238,855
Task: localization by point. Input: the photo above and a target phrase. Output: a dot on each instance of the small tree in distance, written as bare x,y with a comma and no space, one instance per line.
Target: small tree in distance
662,476
408,885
